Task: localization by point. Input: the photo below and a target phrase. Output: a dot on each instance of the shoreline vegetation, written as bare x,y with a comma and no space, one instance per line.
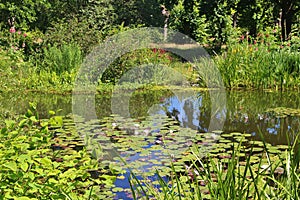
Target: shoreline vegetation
242,65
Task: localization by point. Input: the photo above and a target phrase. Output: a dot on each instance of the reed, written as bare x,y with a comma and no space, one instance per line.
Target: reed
250,65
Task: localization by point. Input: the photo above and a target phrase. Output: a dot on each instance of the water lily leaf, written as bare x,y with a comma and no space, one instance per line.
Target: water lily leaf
121,177
117,189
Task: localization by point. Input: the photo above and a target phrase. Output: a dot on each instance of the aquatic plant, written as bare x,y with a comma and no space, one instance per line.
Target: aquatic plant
39,160
259,65
256,173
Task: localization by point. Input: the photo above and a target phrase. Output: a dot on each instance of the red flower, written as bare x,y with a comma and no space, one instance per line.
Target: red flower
12,30
162,51
19,32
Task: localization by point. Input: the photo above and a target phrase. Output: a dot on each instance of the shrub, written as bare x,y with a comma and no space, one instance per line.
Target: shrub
62,59
73,31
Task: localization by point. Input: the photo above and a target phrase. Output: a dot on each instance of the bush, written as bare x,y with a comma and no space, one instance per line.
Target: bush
73,31
61,59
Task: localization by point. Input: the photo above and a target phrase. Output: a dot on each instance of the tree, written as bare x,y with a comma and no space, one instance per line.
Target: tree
288,10
187,18
25,12
136,12
255,15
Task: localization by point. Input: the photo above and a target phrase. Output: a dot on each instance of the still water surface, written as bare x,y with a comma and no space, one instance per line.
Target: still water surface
246,111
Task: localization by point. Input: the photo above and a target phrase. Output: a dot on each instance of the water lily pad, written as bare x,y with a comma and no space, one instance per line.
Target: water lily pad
282,147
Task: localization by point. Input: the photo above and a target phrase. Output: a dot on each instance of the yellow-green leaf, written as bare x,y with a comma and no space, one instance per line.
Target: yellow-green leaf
11,165
24,166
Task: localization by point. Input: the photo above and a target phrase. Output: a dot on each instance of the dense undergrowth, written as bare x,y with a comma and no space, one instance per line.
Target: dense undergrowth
43,44
245,62
38,163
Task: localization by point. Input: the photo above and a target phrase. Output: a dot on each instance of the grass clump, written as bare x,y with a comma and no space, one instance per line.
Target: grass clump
258,64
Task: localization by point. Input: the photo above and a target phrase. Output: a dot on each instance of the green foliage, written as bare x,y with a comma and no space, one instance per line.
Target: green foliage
187,18
25,12
136,59
260,63
73,31
100,15
136,12
32,168
62,59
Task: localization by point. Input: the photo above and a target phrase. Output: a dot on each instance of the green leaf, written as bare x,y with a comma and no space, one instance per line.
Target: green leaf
11,165
22,122
24,198
9,123
24,166
3,130
33,118
51,112
46,162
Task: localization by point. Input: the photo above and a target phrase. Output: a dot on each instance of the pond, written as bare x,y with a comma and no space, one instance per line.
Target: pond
156,117
246,111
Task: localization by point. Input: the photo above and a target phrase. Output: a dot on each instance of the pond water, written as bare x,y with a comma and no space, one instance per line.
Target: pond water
274,114
246,111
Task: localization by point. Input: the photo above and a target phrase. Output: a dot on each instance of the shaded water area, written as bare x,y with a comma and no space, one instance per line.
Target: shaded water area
161,114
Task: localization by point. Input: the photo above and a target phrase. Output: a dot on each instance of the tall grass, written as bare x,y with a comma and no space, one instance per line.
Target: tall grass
257,65
211,178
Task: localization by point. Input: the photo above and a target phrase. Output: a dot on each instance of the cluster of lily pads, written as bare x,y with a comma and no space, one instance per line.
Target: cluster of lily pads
59,159
284,112
157,146
235,167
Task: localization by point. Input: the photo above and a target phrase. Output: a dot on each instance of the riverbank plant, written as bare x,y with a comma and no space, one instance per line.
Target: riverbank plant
41,161
260,63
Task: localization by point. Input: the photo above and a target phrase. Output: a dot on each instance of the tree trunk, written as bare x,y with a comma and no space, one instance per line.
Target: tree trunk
234,20
286,20
288,24
282,24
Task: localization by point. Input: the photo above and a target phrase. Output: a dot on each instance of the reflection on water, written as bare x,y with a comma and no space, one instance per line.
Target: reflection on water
245,111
